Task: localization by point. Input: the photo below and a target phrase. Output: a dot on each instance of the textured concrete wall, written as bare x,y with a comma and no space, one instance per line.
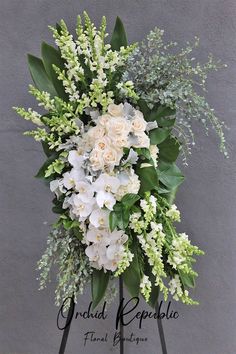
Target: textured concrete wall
207,198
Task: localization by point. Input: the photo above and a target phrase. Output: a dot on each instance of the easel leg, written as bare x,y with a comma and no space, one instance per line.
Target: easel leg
161,333
67,328
121,292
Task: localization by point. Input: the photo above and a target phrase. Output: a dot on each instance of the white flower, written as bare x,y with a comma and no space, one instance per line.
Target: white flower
111,157
173,213
106,183
102,120
80,207
116,110
56,186
154,153
105,199
96,160
99,218
117,126
85,190
144,205
95,133
75,159
142,141
129,183
71,178
138,123
96,235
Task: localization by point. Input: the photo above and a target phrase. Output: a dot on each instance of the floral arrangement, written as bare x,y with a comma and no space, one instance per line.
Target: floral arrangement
116,117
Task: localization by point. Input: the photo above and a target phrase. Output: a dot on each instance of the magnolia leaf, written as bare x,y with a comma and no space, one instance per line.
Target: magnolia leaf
130,199
99,285
118,38
132,275
113,220
169,149
52,56
121,220
188,280
39,75
170,175
47,163
157,136
148,178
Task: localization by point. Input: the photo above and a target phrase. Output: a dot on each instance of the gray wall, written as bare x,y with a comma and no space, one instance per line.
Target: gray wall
207,198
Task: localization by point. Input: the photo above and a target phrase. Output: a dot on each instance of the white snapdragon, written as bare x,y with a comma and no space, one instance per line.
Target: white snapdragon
146,287
173,213
175,287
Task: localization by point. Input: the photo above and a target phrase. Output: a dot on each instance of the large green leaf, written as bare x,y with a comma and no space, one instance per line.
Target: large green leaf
158,135
51,56
161,114
99,285
43,168
170,175
119,217
188,280
132,275
169,149
148,178
39,75
130,199
118,38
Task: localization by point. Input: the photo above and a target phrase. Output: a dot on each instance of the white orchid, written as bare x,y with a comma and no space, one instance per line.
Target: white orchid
105,199
85,189
76,159
56,186
71,178
99,218
107,183
81,208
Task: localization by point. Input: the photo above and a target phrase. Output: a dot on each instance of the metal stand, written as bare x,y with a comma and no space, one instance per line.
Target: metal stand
121,295
121,292
161,333
67,327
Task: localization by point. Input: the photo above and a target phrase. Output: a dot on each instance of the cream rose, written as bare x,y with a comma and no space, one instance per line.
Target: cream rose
94,133
138,123
102,143
111,156
104,119
96,160
117,126
116,110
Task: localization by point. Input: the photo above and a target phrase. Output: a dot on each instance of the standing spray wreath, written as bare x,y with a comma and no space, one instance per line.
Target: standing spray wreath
116,118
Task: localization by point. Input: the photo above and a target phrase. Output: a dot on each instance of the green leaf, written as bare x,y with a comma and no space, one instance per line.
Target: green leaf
130,199
188,280
39,75
148,178
113,220
122,216
118,38
169,150
170,175
158,135
52,56
132,275
99,285
43,168
161,114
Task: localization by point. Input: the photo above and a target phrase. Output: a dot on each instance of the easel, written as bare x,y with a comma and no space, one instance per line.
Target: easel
121,295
